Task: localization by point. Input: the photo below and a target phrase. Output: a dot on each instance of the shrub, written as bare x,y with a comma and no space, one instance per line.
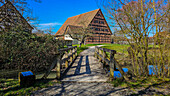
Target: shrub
24,51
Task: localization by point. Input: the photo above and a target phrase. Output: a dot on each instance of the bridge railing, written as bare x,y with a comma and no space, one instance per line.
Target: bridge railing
62,61
105,59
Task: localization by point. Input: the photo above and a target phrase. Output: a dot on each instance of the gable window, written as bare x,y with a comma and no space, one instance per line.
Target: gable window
96,21
9,9
106,30
101,22
97,29
92,28
98,15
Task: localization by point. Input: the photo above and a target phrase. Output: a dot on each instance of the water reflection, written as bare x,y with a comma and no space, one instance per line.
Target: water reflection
152,71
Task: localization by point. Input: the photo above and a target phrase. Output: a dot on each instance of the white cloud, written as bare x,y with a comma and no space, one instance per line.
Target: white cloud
50,24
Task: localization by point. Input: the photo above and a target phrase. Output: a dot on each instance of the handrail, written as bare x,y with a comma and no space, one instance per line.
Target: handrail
100,53
66,49
62,62
107,50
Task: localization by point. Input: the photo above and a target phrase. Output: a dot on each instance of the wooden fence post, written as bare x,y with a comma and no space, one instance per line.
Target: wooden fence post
97,51
74,53
76,50
52,66
66,62
58,68
71,58
104,57
112,64
95,54
121,70
100,52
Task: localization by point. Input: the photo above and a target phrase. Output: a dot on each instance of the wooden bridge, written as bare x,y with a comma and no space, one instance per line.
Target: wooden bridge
95,64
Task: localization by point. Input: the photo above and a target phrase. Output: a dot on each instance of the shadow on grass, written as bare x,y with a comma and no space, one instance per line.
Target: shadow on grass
147,90
38,84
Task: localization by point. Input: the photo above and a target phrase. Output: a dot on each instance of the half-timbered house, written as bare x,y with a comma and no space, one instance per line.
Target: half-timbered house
96,20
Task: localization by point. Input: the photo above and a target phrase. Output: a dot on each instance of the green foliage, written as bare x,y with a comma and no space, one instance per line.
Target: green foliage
119,82
148,82
24,51
9,73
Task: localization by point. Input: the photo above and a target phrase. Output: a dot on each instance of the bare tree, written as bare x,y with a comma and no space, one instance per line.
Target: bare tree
80,32
138,20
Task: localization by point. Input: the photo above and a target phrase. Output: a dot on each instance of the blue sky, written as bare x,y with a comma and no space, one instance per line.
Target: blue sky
55,12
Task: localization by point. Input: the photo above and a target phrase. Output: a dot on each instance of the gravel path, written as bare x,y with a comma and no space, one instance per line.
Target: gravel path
86,68
81,89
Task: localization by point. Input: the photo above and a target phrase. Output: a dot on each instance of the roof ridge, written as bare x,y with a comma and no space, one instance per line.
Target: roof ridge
85,13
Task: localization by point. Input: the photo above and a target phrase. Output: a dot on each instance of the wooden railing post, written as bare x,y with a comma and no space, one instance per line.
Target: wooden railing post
71,58
112,64
76,50
58,68
52,66
100,52
97,51
66,62
104,57
95,54
74,53
121,70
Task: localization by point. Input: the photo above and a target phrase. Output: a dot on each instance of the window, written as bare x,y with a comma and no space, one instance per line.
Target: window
106,30
97,29
96,21
101,22
102,29
98,15
9,9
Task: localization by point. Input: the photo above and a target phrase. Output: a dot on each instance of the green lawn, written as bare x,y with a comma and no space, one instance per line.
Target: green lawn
119,48
83,47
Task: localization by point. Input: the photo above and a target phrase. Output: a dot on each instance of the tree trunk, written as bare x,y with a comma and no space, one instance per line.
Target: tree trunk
82,41
80,44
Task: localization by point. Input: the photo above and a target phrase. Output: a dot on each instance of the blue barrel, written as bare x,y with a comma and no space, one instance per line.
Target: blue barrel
26,78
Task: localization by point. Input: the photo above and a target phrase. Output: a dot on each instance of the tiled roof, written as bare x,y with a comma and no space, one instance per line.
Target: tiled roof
74,29
6,4
84,18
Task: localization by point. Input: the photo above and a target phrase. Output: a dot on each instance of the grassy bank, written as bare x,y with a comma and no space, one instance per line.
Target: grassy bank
119,48
10,87
143,84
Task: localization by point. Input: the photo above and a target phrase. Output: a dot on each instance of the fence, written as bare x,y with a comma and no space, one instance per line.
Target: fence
103,57
62,62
